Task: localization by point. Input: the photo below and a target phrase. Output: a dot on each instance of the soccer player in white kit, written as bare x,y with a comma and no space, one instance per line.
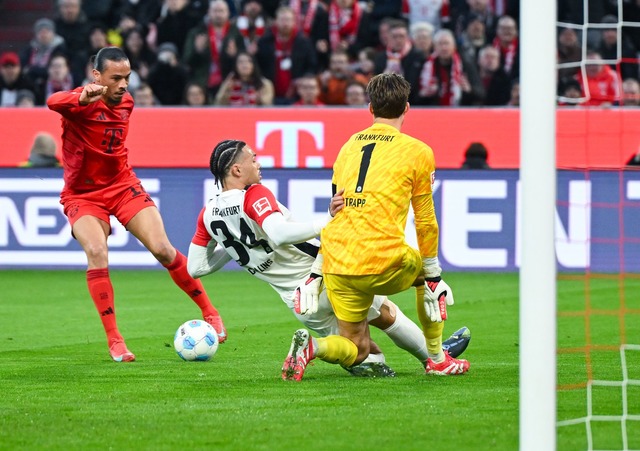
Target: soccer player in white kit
246,223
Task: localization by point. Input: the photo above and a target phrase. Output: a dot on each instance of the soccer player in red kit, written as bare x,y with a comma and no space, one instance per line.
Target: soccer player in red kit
99,182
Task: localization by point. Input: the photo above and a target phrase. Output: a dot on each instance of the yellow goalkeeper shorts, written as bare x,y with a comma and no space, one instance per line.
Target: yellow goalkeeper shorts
352,295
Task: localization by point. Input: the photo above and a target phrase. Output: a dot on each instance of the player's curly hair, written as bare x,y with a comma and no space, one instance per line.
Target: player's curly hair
222,158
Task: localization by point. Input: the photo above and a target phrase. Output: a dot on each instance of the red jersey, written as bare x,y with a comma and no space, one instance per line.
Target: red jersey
604,87
93,137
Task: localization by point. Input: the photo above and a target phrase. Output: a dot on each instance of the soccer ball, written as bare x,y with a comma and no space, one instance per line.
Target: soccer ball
196,340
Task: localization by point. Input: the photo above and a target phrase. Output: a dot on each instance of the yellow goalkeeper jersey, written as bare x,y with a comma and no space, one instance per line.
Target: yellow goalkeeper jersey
381,170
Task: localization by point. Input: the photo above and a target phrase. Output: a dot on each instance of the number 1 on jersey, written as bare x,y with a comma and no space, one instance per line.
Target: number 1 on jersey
364,166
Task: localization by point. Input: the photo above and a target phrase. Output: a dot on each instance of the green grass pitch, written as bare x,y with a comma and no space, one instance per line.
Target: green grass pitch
60,390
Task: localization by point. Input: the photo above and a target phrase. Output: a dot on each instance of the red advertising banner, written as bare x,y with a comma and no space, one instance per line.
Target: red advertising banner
295,137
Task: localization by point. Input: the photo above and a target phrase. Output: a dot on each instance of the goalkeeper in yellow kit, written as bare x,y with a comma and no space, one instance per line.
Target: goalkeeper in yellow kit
380,172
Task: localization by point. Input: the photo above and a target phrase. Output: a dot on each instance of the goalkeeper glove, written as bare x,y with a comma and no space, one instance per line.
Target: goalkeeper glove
307,295
437,295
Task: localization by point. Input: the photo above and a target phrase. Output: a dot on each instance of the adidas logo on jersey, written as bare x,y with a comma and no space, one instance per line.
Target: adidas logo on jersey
101,117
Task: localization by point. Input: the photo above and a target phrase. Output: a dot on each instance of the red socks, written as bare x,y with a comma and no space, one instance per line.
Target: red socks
193,287
101,292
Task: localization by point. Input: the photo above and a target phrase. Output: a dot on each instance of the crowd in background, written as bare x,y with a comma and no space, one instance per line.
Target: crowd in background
320,52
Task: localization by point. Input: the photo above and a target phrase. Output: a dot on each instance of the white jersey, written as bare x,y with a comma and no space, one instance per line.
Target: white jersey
234,218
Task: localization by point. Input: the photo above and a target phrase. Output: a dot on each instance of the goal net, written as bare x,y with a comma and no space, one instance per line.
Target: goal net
598,206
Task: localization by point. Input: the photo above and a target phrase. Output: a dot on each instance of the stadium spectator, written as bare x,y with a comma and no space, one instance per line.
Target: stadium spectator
141,57
381,14
212,46
473,38
116,35
631,93
59,78
103,13
478,10
312,20
514,99
294,56
25,98
365,64
333,82
143,96
252,24
379,40
570,93
74,27
506,41
495,81
12,80
446,78
608,49
400,57
175,21
42,153
569,51
348,26
422,38
35,57
434,12
379,262
143,12
99,182
476,157
356,94
602,84
168,77
195,95
97,39
237,174
308,90
245,86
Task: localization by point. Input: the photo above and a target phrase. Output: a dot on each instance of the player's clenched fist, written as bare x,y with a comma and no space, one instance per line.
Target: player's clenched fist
91,93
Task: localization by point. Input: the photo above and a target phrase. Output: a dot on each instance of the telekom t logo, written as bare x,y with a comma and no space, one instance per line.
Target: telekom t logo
290,143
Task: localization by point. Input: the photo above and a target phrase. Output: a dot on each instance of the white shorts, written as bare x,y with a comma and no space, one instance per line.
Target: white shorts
324,321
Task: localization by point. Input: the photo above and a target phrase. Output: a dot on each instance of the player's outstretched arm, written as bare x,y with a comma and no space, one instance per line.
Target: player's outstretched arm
281,231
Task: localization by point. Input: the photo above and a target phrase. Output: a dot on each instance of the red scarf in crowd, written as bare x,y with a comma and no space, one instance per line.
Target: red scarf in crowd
282,79
242,94
394,59
54,86
215,43
343,24
444,82
305,22
507,54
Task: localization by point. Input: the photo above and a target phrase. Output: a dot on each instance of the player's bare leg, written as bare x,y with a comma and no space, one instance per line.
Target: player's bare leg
148,227
92,234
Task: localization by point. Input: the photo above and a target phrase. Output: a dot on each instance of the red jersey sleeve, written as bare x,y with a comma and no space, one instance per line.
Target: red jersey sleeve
259,203
201,237
65,102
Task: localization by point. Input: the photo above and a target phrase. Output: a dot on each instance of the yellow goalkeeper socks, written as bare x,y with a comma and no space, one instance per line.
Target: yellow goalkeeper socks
432,331
337,349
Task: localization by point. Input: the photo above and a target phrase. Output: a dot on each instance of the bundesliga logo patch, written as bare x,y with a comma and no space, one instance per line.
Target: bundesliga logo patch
261,206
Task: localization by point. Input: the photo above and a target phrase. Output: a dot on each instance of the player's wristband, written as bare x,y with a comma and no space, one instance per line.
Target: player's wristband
431,267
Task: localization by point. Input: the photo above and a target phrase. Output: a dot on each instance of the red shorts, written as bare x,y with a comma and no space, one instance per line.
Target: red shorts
122,200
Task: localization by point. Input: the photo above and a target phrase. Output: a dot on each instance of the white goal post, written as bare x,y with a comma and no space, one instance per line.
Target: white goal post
538,191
